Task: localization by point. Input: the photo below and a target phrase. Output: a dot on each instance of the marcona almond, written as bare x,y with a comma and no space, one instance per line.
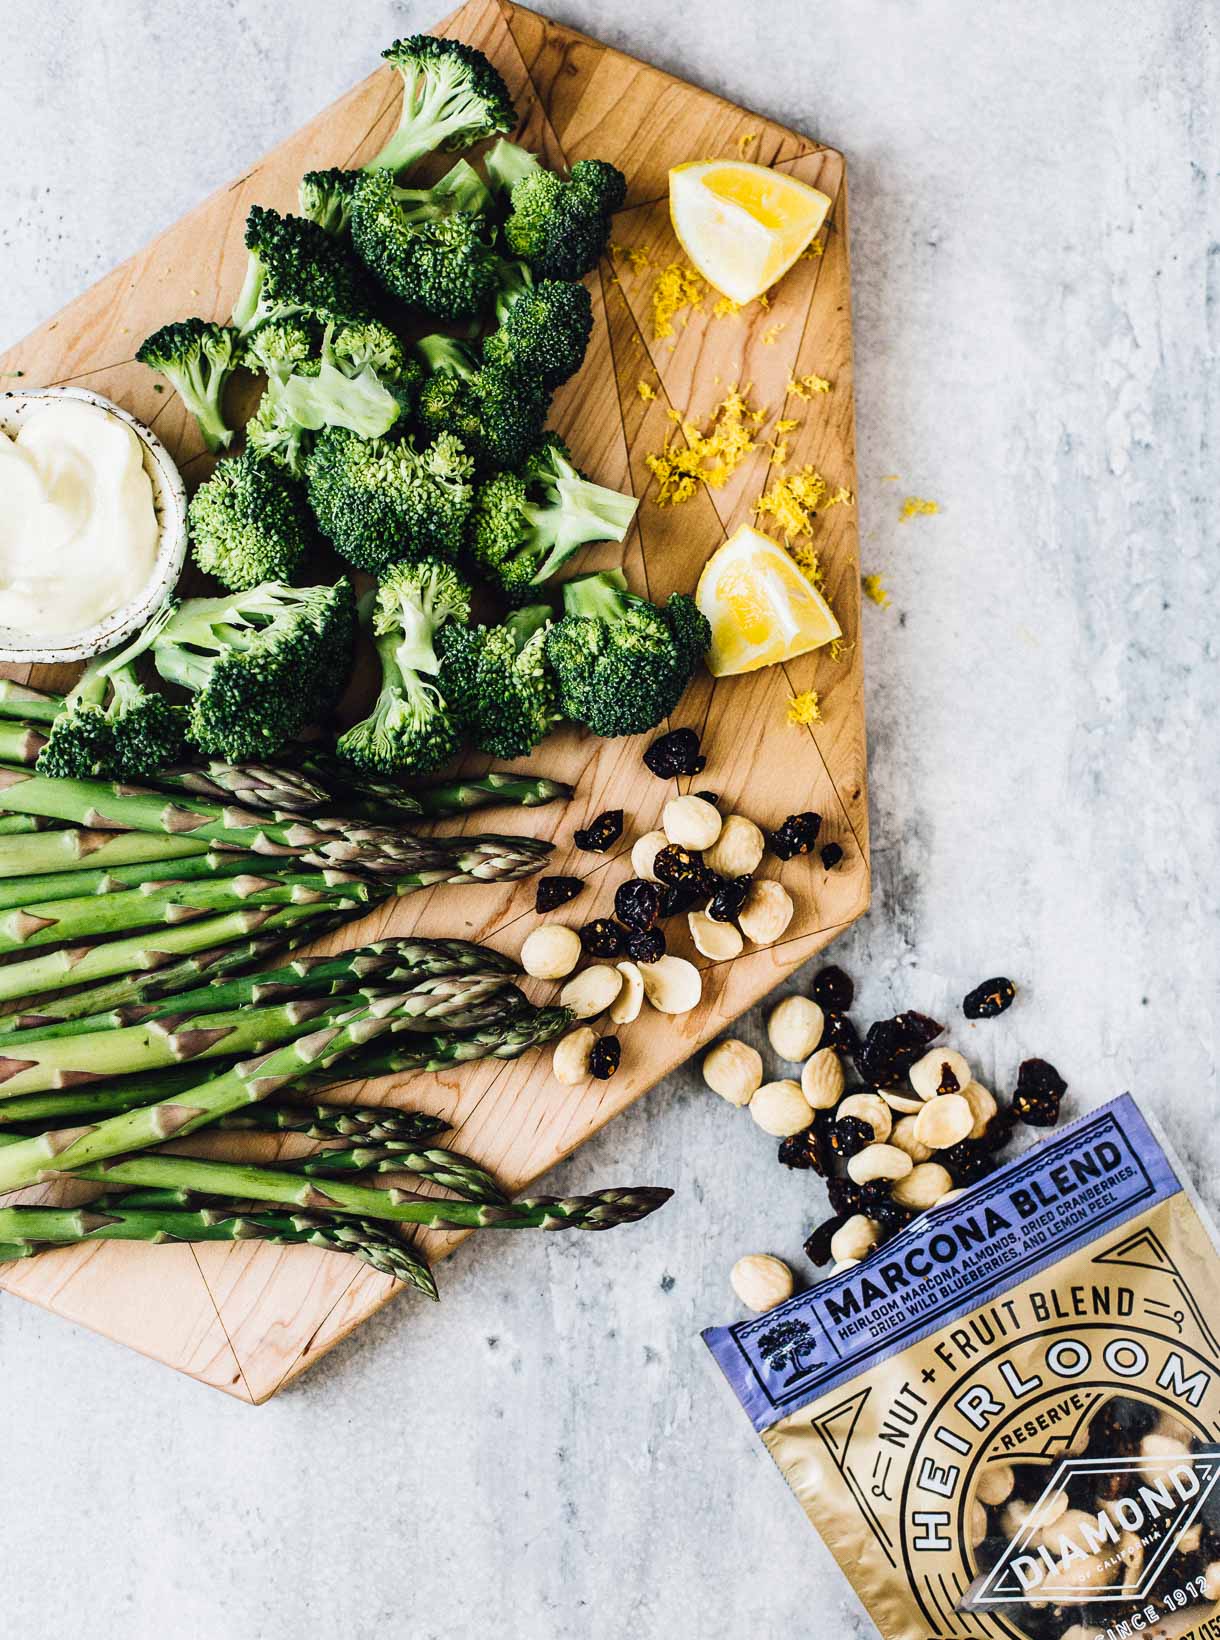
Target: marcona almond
766,913
943,1121
672,984
779,1108
903,1135
996,1484
761,1281
978,1523
878,1162
843,1264
925,1185
940,1069
691,822
550,952
570,1061
626,1006
855,1238
822,1080
717,940
794,1027
591,992
734,1070
982,1105
905,1104
644,851
738,850
868,1108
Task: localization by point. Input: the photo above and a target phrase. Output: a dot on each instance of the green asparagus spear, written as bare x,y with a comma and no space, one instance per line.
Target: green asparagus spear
17,825
507,1039
64,885
32,1113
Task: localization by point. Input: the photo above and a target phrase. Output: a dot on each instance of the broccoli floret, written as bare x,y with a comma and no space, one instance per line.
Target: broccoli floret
412,728
427,247
278,348
198,358
622,662
451,97
261,665
275,435
295,267
249,523
497,412
111,725
544,328
526,524
499,683
326,198
379,501
559,227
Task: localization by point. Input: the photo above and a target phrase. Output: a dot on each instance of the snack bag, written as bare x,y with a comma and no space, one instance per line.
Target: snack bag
1005,1421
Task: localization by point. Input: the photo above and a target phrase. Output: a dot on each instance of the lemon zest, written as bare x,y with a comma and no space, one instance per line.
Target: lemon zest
677,288
841,648
876,590
726,308
764,301
646,391
746,141
804,387
635,254
804,708
916,507
816,248
709,455
771,335
793,500
788,424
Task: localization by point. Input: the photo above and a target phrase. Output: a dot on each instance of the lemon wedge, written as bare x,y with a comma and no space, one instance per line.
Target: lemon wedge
742,225
760,607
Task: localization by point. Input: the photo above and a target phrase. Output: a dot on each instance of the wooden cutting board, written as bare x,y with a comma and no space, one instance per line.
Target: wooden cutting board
247,1318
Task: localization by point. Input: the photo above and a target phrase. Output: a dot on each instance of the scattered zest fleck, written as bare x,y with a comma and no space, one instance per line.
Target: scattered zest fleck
745,142
646,391
709,455
806,386
771,335
726,308
676,290
841,648
635,254
816,249
874,589
804,708
916,507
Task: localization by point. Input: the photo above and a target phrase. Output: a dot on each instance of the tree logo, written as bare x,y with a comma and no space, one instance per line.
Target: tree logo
786,1345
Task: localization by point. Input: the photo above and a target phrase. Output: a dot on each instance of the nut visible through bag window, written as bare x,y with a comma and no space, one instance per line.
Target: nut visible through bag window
1005,1421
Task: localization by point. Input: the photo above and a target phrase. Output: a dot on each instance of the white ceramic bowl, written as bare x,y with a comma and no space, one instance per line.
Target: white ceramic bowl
169,503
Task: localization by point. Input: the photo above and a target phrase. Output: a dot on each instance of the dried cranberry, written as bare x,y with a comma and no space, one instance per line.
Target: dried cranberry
797,835
602,834
709,797
679,898
602,938
999,1130
874,1193
808,1149
1039,1090
676,865
830,855
605,1057
832,990
636,903
989,999
817,1244
849,1136
644,944
839,1033
968,1160
553,892
893,1045
844,1195
728,899
674,754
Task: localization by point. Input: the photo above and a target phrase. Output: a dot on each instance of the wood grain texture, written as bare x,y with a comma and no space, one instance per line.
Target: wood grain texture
248,1318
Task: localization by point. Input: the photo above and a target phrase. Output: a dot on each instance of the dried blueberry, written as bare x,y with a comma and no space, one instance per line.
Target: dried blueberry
893,1045
807,1149
644,944
839,1033
844,1195
709,797
602,834
636,903
989,999
874,1193
797,835
677,866
968,1160
832,990
602,938
831,855
1039,1090
817,1244
605,1057
891,1215
849,1136
679,898
728,899
999,1130
553,892
674,754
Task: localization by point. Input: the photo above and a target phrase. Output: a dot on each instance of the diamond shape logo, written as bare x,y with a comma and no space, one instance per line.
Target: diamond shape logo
1113,1552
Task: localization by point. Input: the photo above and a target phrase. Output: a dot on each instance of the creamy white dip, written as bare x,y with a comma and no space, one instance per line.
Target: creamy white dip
78,532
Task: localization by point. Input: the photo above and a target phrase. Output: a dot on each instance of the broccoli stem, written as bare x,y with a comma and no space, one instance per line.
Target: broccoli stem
586,512
246,308
507,164
599,595
445,353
